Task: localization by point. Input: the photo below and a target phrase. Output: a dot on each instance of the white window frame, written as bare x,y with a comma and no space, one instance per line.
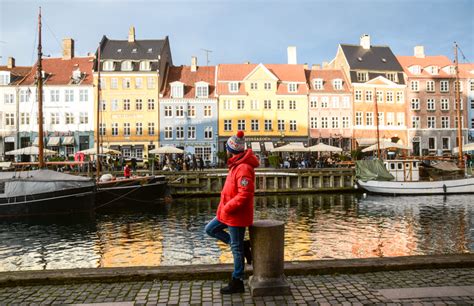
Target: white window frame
268,125
233,87
292,87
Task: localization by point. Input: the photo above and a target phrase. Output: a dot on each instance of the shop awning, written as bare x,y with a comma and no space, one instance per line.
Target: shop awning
269,146
256,146
36,142
9,139
364,142
68,140
54,141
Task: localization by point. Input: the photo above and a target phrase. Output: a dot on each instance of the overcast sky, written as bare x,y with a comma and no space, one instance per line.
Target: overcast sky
238,31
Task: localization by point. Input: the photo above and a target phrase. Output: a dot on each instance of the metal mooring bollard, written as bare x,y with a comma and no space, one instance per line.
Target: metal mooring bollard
267,241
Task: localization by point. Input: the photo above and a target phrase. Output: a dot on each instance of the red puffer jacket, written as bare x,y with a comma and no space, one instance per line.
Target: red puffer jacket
236,205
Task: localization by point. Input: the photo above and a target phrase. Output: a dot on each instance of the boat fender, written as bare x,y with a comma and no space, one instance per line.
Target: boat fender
445,188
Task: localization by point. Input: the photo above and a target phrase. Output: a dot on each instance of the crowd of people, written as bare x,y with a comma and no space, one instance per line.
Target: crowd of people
303,162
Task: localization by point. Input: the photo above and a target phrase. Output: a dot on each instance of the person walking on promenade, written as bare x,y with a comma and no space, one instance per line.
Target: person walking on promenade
126,171
235,210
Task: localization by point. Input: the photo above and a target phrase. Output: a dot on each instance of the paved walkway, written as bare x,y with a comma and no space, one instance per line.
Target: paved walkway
417,287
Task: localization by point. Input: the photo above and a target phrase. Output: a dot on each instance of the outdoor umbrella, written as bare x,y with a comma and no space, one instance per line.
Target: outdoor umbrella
465,148
385,145
321,147
30,151
291,148
166,150
102,150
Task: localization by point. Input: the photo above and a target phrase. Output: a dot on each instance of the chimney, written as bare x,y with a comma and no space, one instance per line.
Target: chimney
365,41
316,67
292,55
194,62
68,48
305,66
131,34
247,63
419,51
11,63
325,65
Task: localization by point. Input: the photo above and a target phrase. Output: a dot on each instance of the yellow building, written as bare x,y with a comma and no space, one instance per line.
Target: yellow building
268,102
131,77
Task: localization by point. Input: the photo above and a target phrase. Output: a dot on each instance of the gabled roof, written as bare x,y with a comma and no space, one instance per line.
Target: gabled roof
238,72
327,76
261,66
17,73
424,62
110,49
59,71
377,58
183,74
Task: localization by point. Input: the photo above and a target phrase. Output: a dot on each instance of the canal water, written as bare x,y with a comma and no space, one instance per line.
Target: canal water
317,227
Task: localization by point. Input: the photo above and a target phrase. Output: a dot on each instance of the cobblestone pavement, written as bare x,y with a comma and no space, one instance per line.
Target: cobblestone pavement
365,288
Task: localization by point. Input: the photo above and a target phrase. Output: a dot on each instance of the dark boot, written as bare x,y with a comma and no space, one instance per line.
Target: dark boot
247,252
235,286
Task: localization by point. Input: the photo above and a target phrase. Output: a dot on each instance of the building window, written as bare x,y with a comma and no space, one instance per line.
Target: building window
138,104
267,104
337,84
23,95
69,118
191,132
390,118
203,152
415,85
472,103
254,125
281,125
69,95
379,96
335,102
84,118
151,128
268,125
399,97
145,66
151,104
126,83
415,122
415,104
54,95
293,126
241,125
456,104
138,153
9,119
168,111
324,102
240,104
168,132
227,104
430,105
280,104
392,77
430,86
472,123
227,125
202,91
335,122
126,129
431,122
324,123
415,69
126,152
207,111
126,104
127,66
446,143
292,87
208,134
191,111
444,104
471,85
139,129
254,104
177,90
102,129
444,86
267,86
456,122
401,119
25,118
114,129
253,86
179,111
362,76
432,143
389,96
233,87
54,118
369,118
113,83
318,84
369,96
150,82
108,66
179,132
292,104
358,118
445,122
314,102
380,119
138,83
457,86
345,122
5,78
358,96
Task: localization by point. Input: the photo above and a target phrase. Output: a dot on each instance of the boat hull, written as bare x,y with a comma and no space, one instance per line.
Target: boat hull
70,201
458,186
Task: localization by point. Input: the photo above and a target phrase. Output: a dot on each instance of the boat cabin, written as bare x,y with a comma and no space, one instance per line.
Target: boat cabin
403,170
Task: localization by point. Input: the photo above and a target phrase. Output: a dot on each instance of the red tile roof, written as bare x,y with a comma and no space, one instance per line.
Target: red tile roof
438,60
59,71
466,70
184,75
328,76
17,73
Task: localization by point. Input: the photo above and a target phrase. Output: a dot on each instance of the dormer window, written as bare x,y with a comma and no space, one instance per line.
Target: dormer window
318,84
392,77
202,90
177,90
108,66
362,76
76,74
292,87
150,50
119,50
337,83
433,69
234,86
145,66
415,69
4,78
134,50
127,66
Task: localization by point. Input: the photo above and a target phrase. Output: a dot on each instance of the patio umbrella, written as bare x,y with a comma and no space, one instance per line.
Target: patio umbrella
321,147
30,151
465,148
166,150
385,145
291,148
102,150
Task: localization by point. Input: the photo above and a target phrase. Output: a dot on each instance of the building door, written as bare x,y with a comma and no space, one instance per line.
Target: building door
416,148
83,143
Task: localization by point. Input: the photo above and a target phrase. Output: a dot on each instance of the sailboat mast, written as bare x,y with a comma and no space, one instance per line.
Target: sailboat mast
377,122
39,78
458,103
98,115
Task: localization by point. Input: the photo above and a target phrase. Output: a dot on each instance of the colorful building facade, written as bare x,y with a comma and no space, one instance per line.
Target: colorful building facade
466,72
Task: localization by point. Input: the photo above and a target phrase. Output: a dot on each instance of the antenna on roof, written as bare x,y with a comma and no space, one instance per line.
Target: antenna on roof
207,55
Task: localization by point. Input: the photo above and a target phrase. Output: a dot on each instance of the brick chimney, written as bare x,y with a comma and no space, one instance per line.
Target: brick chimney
194,64
316,67
365,41
325,65
68,48
292,55
131,34
419,51
11,63
305,66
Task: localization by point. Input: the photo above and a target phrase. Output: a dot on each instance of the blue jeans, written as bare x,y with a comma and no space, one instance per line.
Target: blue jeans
235,238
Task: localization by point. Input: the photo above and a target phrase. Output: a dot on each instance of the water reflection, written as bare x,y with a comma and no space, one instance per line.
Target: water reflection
317,226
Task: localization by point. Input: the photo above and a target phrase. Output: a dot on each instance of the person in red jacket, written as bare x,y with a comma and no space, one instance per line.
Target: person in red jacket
235,210
126,171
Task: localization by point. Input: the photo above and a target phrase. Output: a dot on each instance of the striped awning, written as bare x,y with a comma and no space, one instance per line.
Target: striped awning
54,141
68,140
256,146
269,146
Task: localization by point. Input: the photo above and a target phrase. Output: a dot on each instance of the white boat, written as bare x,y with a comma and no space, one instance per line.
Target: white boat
401,177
